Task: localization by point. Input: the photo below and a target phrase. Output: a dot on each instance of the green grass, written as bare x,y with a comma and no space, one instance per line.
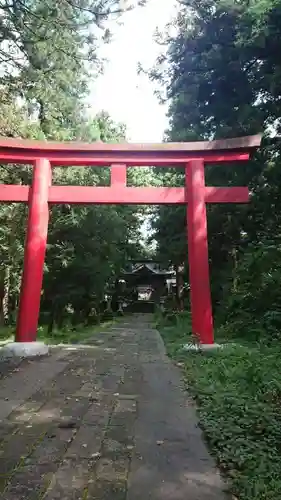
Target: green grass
238,393
6,333
63,336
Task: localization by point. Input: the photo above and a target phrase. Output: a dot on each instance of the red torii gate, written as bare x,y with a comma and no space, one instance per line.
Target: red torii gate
45,155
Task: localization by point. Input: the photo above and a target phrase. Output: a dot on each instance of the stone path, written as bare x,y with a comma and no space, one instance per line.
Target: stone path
106,421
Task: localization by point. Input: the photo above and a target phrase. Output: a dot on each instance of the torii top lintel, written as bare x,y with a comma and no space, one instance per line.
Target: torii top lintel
99,153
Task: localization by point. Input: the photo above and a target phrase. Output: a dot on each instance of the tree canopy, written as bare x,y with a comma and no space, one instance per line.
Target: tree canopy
47,53
221,73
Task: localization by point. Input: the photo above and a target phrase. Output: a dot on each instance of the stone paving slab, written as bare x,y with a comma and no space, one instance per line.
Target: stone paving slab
109,420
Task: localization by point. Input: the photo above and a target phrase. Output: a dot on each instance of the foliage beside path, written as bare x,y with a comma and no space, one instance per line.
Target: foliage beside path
66,335
238,393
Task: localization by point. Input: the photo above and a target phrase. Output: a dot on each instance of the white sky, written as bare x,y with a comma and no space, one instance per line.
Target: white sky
127,96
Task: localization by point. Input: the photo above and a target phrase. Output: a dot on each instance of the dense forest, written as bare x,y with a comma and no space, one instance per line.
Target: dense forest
220,71
48,53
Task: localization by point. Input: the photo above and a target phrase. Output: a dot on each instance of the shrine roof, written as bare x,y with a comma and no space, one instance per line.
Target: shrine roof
148,268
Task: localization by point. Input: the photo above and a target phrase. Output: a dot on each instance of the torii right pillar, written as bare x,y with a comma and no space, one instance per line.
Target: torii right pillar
198,257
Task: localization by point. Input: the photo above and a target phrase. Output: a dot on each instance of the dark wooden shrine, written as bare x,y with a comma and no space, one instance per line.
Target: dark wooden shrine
147,283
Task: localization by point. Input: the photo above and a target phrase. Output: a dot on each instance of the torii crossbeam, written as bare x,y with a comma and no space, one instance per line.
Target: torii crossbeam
45,155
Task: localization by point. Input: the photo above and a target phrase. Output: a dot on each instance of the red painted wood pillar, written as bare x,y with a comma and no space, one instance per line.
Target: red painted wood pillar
34,254
199,276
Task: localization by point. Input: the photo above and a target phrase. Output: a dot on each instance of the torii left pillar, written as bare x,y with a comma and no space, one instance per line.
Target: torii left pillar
35,250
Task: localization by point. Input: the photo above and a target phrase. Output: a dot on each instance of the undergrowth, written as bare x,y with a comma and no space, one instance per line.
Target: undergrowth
238,392
66,335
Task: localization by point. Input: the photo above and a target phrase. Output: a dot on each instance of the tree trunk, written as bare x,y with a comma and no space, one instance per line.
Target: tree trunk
179,286
4,296
51,323
235,262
